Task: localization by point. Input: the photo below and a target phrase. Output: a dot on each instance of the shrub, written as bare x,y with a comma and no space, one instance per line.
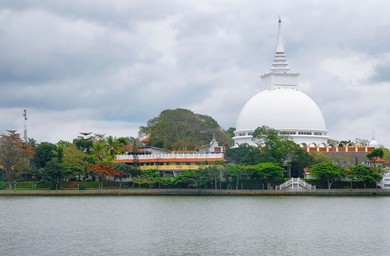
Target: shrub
3,184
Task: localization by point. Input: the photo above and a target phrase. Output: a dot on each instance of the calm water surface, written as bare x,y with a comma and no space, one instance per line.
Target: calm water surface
194,226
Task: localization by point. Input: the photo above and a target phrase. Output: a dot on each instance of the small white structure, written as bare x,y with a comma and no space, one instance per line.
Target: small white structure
385,181
374,143
282,107
213,147
295,184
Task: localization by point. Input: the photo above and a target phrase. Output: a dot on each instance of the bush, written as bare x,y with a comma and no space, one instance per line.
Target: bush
90,185
3,185
340,184
29,185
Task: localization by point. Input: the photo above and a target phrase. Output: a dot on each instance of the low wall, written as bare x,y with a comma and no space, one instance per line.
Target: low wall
195,192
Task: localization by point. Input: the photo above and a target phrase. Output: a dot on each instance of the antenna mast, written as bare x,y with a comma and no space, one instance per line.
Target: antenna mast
25,125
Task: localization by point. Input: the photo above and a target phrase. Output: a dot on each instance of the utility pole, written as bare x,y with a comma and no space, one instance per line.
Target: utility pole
25,125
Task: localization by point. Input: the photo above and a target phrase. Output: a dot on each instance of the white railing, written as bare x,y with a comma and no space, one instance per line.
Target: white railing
295,184
285,184
172,156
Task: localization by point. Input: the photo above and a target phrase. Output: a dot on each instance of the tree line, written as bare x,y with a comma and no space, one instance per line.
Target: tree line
91,157
87,157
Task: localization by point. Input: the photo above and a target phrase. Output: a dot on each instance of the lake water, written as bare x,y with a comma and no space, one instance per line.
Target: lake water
194,226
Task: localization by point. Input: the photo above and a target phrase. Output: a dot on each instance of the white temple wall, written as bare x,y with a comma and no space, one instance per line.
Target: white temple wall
308,140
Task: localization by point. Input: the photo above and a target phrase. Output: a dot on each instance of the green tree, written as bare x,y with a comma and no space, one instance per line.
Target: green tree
149,177
75,161
54,171
98,150
301,159
44,152
128,170
365,174
275,148
244,154
328,172
113,147
231,131
386,154
375,154
234,171
15,156
84,142
193,179
213,173
166,180
61,145
181,129
270,172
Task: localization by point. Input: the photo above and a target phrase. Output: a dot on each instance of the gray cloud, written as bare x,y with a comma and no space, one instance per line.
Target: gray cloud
110,66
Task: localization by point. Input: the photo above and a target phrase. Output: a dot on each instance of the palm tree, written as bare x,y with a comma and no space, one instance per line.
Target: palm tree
113,147
98,149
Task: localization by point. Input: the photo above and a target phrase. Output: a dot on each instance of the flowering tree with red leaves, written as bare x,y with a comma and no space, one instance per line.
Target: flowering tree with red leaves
103,170
15,156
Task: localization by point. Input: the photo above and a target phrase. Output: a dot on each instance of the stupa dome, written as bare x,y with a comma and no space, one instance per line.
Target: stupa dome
374,143
281,109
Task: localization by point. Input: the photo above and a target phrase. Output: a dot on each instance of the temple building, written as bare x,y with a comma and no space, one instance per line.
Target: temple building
282,106
172,163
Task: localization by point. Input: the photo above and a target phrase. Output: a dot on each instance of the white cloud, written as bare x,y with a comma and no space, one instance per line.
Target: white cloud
351,68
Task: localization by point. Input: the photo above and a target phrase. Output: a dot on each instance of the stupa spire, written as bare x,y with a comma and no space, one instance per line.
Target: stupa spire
280,63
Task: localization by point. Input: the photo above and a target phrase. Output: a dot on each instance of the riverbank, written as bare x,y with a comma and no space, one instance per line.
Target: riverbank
195,192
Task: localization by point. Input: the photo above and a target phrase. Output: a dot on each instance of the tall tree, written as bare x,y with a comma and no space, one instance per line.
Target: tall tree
44,152
181,129
231,131
54,171
61,145
280,149
75,162
113,147
15,156
84,142
234,171
103,170
244,154
98,150
213,172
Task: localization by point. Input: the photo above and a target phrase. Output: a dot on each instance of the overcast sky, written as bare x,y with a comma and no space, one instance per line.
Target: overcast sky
110,66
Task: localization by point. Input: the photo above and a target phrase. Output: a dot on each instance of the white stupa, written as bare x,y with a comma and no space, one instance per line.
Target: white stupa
282,106
374,143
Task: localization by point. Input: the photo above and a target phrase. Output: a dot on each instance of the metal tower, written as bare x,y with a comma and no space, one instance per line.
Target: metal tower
25,125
